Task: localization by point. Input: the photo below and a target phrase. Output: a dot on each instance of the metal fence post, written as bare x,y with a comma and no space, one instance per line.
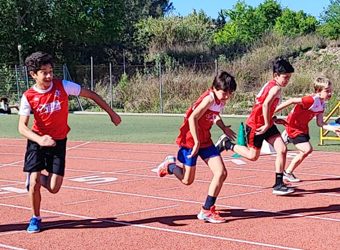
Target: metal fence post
111,90
17,82
91,73
160,87
216,66
26,76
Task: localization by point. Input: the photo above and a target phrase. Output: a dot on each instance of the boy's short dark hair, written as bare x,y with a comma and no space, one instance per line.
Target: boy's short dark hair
282,66
34,61
224,81
4,98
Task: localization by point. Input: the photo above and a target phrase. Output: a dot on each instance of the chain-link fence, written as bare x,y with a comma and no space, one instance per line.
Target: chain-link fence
168,87
14,81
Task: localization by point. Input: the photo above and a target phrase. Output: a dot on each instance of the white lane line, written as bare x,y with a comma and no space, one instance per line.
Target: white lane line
79,145
199,202
10,164
13,196
238,162
168,189
79,202
11,247
21,161
119,182
159,229
156,177
244,177
239,195
331,194
146,210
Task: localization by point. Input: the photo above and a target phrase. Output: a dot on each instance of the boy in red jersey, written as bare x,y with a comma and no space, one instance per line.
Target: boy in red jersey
305,109
195,140
260,125
46,145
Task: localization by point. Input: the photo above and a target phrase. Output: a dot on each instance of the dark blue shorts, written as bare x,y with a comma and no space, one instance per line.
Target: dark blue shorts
38,158
204,153
301,138
256,141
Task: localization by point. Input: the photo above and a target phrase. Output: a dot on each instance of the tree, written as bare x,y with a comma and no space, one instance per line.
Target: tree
293,23
247,23
331,20
73,30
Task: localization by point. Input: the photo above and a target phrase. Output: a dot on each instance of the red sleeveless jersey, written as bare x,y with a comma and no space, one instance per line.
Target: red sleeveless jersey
302,114
205,123
255,119
50,111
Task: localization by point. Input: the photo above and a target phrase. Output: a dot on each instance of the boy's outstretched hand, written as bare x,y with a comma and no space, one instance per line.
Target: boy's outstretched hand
230,133
337,131
115,118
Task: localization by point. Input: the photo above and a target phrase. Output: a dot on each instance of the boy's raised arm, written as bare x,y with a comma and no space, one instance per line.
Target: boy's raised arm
115,118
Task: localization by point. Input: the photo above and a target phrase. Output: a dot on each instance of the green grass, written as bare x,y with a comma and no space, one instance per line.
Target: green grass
134,129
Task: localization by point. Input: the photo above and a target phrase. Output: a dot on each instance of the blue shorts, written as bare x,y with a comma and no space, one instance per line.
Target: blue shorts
204,153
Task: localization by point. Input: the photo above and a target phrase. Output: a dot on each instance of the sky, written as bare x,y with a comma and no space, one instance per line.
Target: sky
212,7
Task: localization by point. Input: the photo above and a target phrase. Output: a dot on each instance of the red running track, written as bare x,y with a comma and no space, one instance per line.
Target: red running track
111,199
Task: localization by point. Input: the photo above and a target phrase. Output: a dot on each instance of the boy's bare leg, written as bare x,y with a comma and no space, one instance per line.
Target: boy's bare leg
281,152
250,153
186,174
219,175
34,192
52,182
305,148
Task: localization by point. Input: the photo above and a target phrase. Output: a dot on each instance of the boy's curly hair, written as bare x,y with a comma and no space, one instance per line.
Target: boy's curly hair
34,61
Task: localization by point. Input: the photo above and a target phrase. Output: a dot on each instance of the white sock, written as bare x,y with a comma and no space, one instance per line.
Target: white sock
38,217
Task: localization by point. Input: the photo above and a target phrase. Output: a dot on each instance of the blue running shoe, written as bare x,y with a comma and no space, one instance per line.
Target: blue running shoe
34,225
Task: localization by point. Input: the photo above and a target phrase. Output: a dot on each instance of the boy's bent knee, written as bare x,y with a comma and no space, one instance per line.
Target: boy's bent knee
187,182
54,190
223,175
253,157
282,150
34,186
308,152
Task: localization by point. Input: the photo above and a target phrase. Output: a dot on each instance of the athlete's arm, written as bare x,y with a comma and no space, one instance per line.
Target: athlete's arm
23,129
273,93
226,129
115,118
193,121
319,120
288,103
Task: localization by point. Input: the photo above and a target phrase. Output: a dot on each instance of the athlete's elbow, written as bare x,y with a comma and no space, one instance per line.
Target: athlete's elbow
20,129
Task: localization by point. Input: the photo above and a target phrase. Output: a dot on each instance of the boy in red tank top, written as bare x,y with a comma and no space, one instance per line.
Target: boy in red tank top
46,145
260,125
194,140
305,109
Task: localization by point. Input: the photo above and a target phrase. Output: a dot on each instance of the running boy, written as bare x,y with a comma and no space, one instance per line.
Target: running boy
260,125
195,140
305,109
46,145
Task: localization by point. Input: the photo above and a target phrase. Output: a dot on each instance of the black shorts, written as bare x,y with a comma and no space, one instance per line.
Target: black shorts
52,159
299,139
256,141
